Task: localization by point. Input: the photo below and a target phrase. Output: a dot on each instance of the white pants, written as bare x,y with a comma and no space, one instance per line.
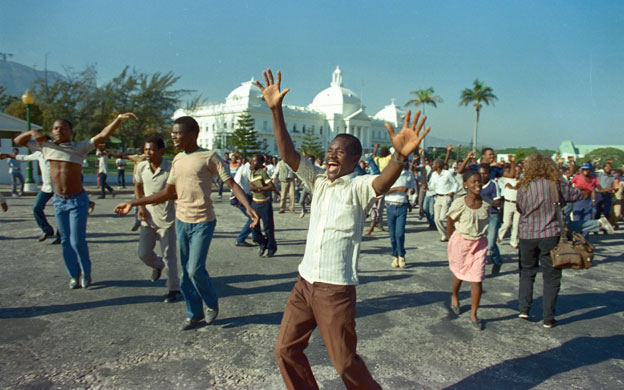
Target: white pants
167,237
511,217
440,207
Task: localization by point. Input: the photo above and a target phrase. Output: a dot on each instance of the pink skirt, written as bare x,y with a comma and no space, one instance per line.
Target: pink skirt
467,258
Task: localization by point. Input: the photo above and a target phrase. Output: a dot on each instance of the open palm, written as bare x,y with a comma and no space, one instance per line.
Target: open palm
272,94
407,140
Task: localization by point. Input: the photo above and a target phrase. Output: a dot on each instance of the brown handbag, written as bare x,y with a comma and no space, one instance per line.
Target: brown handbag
575,254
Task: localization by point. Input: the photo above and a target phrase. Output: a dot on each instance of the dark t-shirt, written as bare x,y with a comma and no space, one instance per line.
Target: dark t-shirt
495,172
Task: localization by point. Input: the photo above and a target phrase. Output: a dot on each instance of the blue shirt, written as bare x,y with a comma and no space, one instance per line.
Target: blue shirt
490,191
494,171
14,163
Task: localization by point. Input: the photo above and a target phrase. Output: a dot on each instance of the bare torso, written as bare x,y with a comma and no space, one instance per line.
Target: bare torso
66,177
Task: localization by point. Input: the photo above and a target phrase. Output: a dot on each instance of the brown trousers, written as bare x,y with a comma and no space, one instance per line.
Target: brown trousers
288,188
331,308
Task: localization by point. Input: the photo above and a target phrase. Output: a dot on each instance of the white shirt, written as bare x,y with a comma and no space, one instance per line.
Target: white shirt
120,163
242,177
103,164
44,165
336,222
507,193
270,168
405,179
443,183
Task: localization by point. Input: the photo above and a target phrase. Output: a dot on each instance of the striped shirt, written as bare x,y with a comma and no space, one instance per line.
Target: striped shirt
336,223
538,215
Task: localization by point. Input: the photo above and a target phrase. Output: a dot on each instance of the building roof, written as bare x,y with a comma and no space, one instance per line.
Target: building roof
391,114
569,147
10,126
336,98
248,90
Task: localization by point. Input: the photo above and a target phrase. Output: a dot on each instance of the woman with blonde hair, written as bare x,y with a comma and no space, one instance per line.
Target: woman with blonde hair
539,231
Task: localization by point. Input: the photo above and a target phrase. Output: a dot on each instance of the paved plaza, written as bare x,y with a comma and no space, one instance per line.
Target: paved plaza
119,334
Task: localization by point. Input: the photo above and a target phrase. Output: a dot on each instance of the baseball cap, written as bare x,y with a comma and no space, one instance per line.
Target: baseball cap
586,165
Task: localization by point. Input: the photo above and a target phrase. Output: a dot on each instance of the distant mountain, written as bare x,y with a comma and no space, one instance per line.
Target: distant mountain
443,142
16,78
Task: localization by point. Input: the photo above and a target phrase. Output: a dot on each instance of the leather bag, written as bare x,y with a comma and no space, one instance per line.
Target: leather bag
574,254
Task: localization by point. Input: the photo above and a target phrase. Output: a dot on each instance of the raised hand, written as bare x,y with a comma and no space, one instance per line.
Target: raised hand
123,208
470,155
449,148
408,139
272,94
511,158
127,115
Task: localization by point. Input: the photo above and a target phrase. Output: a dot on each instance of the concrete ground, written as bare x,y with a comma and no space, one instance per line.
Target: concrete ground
118,334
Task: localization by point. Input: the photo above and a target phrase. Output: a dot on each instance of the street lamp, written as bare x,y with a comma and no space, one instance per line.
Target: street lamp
28,100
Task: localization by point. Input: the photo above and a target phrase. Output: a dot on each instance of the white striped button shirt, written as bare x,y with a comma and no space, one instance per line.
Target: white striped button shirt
337,219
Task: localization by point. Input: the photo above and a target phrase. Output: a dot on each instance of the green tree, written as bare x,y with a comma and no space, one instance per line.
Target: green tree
480,93
311,145
423,97
244,140
600,156
18,110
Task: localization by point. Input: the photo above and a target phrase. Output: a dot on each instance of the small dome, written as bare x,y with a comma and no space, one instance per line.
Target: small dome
247,90
391,114
336,98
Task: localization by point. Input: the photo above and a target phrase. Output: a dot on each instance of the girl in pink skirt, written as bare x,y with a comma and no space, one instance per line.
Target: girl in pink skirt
467,226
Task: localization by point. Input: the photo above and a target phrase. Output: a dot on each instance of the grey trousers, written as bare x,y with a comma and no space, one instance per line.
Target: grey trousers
167,238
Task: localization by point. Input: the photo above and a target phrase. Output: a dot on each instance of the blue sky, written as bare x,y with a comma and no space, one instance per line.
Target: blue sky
557,67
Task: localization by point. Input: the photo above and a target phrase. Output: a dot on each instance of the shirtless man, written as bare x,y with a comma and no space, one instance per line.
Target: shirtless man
71,203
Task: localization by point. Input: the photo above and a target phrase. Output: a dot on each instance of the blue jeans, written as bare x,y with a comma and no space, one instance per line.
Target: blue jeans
428,209
593,225
121,178
397,215
104,186
193,244
583,211
603,205
15,177
71,220
266,240
242,236
493,253
40,202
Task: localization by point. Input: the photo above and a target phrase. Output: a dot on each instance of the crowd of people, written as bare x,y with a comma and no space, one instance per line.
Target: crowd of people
472,204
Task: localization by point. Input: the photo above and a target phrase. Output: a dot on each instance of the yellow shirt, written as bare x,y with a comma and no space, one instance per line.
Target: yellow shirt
259,178
193,175
382,162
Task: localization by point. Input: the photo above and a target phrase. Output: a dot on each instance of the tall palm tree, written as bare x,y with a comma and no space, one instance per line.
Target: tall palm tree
423,97
478,94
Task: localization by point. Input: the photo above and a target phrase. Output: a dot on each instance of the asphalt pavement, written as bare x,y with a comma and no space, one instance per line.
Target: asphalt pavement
119,334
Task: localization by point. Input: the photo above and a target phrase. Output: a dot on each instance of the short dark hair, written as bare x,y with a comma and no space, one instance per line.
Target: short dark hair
258,156
189,123
67,122
355,147
469,173
484,166
486,149
14,149
383,152
154,139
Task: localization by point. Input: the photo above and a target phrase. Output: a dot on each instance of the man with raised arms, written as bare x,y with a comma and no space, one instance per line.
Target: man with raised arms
324,294
71,203
191,178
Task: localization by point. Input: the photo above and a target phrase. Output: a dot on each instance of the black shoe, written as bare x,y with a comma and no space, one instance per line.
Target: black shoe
211,315
136,226
262,252
85,280
271,254
56,241
496,269
192,323
45,236
156,274
73,283
101,197
244,243
173,296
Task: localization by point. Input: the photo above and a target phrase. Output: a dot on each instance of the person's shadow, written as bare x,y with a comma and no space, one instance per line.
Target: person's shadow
529,371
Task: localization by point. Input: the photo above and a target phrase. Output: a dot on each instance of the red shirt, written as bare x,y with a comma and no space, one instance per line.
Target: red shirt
582,184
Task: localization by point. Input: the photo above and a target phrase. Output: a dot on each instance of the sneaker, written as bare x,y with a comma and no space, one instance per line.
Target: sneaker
192,323
395,262
91,207
523,316
73,283
262,252
549,324
156,273
45,236
243,243
173,296
211,315
85,281
606,225
402,263
302,214
56,241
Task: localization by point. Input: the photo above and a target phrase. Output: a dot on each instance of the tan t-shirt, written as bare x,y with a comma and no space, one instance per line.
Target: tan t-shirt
161,215
193,175
472,224
259,178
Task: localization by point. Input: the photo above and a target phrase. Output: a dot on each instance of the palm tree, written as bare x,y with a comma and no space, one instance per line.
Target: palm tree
424,97
479,93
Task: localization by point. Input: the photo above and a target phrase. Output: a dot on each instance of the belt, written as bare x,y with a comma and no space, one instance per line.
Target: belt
396,203
510,201
441,195
68,196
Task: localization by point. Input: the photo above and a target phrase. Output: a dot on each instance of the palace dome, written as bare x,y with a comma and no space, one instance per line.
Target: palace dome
248,90
336,98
